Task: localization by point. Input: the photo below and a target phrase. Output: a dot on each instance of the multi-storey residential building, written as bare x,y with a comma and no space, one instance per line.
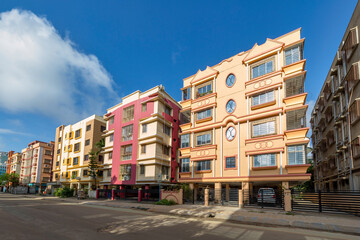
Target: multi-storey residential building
335,125
14,160
9,161
71,155
243,120
36,164
3,162
141,139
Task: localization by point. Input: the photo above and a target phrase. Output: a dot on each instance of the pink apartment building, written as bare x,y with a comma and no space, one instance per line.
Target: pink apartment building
141,140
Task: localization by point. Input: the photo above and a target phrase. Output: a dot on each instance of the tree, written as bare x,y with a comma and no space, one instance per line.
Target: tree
7,178
93,156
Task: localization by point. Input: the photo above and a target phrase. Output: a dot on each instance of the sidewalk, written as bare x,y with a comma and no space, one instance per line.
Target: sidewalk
268,217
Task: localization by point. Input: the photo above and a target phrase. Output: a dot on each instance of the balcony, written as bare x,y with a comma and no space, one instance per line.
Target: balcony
294,67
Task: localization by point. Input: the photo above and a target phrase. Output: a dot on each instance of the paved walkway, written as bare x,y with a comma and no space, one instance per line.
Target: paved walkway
327,222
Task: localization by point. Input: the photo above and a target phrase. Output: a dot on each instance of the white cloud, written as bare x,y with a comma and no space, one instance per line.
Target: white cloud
43,73
9,131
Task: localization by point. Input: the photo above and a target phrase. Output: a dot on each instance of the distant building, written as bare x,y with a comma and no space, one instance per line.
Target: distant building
71,155
335,118
3,162
15,163
36,164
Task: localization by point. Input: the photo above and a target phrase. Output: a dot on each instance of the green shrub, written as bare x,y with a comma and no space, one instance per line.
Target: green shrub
64,192
166,202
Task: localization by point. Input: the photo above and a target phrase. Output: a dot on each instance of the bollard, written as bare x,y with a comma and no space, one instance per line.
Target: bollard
206,197
241,198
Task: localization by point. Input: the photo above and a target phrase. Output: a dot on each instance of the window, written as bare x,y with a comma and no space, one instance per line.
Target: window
144,128
143,148
127,133
296,119
85,173
59,139
88,127
186,94
354,111
166,129
185,165
185,140
165,171
230,106
102,128
71,135
110,155
293,55
168,110
263,69
230,162
203,90
294,86
111,138
144,107
57,163
264,128
296,154
76,161
48,152
142,169
203,139
126,152
67,174
203,114
86,157
203,165
264,160
74,174
111,121
125,172
78,133
230,80
101,158
56,176
77,147
263,98
87,142
166,150
230,133
58,151
128,114
355,147
109,172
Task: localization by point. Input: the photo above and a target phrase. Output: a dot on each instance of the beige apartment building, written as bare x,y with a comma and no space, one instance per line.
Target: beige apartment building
36,164
14,163
335,117
243,120
72,146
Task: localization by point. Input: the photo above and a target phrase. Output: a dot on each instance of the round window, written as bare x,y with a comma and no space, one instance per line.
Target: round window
230,133
230,80
230,106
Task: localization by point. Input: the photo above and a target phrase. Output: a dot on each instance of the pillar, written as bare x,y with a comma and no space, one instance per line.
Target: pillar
79,186
97,193
122,191
245,190
285,185
139,195
206,197
112,194
241,198
217,192
287,200
227,192
146,193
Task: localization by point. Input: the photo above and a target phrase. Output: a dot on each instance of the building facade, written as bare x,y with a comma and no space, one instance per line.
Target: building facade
243,120
334,121
141,140
14,162
36,164
72,146
3,162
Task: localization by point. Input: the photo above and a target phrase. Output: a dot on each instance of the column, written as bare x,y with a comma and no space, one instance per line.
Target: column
221,150
206,197
227,186
217,192
287,200
241,198
285,185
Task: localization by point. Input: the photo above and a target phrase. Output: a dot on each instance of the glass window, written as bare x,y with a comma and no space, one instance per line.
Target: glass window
203,165
186,94
263,69
292,55
102,128
203,114
294,86
296,154
76,161
230,106
143,107
264,128
230,80
85,173
125,172
128,114
87,142
264,160
263,98
111,121
166,150
86,157
230,133
143,148
168,110
111,138
110,155
144,128
202,91
230,162
166,129
203,139
185,140
126,152
127,133
185,165
77,147
142,169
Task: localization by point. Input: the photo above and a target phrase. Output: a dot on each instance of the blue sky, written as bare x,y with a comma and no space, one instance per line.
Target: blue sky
116,47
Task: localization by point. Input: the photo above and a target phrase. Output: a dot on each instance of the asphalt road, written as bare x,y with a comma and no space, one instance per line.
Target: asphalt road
29,218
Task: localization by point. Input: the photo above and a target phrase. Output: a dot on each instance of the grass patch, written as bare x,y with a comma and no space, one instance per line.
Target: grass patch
290,213
166,202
